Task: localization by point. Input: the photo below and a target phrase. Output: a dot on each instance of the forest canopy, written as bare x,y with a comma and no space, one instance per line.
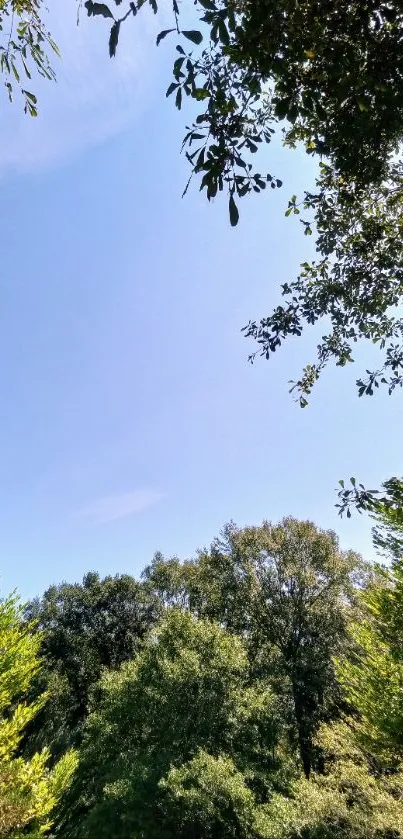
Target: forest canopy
250,692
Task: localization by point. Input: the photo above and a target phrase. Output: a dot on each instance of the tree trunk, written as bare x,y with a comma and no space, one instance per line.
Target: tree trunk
303,719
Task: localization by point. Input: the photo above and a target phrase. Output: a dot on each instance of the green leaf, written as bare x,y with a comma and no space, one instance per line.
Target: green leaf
193,35
233,212
54,46
200,93
26,68
178,64
163,35
30,96
362,104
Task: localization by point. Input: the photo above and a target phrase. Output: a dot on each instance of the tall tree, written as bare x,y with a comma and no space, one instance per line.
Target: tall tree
85,628
181,717
28,790
372,672
286,589
180,746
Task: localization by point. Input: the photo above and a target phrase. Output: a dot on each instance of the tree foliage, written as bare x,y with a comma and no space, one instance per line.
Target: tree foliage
182,710
86,628
347,801
28,790
372,674
253,692
355,283
326,75
175,749
385,506
25,44
285,589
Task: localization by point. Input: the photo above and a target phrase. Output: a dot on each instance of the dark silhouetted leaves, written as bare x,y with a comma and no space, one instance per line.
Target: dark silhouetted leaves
172,87
114,38
94,9
163,35
193,35
233,212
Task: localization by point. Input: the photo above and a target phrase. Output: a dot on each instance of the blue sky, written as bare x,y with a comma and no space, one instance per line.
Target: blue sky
130,418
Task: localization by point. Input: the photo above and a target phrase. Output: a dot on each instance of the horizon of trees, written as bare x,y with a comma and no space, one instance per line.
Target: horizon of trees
253,691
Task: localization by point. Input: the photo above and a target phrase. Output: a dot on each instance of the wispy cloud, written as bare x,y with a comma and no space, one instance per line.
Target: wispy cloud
94,97
114,507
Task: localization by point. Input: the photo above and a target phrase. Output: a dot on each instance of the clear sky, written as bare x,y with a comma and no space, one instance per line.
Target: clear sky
130,418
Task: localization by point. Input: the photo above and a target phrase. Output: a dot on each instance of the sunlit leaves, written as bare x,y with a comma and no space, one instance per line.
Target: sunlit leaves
25,46
372,674
28,790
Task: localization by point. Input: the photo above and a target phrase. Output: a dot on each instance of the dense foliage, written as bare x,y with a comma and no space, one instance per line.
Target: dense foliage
29,792
372,675
184,704
86,628
285,590
252,692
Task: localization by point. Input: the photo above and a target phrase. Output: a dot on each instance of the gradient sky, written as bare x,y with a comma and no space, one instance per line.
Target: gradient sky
130,418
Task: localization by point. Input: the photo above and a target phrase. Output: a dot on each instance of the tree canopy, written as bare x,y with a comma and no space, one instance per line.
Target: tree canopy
179,745
182,711
260,697
285,589
86,628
